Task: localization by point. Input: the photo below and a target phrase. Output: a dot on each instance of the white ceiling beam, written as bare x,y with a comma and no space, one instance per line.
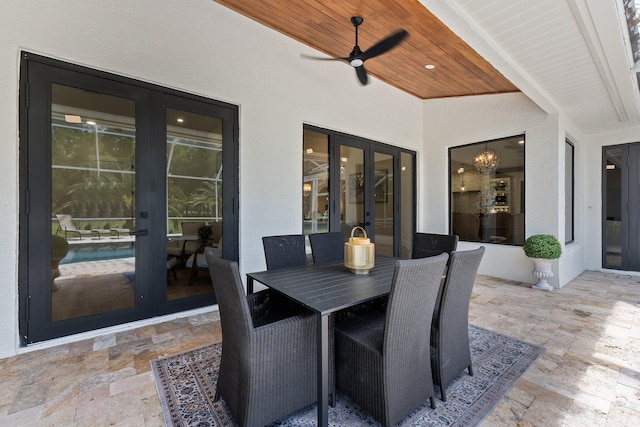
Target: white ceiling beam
461,23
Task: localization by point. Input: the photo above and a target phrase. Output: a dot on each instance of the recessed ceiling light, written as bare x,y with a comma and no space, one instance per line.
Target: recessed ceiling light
89,122
343,159
429,66
72,118
180,120
309,150
521,141
610,167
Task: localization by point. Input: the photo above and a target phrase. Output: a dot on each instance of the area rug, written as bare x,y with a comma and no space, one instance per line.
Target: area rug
186,386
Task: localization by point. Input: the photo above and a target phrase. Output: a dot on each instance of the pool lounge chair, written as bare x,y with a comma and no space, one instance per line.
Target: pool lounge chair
118,231
66,224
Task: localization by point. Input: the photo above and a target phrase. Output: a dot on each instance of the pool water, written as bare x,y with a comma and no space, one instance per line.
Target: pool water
97,255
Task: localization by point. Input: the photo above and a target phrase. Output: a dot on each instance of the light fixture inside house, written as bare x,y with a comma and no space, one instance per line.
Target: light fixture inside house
309,151
611,167
486,161
180,120
89,122
429,66
72,118
306,189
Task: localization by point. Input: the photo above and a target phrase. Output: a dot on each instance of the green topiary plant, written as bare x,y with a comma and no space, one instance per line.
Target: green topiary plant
204,232
543,246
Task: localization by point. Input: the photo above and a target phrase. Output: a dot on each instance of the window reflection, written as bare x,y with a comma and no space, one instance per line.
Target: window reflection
92,203
315,182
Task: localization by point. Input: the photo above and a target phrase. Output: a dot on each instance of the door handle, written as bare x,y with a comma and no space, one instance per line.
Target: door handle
142,232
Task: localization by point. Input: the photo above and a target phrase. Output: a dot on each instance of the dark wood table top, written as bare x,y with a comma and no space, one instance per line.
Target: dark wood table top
329,287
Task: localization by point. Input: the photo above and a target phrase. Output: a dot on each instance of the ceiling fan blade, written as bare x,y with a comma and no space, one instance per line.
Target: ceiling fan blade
385,45
362,75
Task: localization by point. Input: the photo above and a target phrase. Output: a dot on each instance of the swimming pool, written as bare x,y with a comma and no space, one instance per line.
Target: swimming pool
97,254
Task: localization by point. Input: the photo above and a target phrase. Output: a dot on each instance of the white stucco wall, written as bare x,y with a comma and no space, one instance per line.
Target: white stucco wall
458,121
206,49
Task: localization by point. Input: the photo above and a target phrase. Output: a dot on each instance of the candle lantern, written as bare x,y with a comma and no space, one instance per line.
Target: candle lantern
359,253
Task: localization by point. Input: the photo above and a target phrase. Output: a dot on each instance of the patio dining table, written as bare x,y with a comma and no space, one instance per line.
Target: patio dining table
325,289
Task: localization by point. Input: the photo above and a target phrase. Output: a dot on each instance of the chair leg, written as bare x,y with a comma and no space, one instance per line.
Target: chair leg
470,368
443,394
194,273
433,402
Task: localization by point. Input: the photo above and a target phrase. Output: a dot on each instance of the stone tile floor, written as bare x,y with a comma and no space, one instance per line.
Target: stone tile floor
588,376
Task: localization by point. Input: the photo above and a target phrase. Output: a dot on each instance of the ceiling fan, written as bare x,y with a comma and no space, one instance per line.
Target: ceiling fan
357,57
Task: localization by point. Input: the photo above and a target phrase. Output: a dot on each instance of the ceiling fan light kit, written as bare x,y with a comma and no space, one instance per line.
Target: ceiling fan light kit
357,57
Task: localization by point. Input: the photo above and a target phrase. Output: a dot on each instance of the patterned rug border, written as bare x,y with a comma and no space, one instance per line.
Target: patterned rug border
186,387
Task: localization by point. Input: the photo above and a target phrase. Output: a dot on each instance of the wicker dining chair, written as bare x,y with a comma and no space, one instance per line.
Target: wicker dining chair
290,251
268,365
327,248
382,358
284,251
450,353
429,244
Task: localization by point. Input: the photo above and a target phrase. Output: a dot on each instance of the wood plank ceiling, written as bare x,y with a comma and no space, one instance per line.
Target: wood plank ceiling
325,25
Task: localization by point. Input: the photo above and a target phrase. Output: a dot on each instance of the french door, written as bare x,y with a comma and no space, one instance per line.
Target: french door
102,160
359,183
621,207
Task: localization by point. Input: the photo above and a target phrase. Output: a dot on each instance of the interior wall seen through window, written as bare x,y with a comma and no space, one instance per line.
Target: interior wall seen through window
487,191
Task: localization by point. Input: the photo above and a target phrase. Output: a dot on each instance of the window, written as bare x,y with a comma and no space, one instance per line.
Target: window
487,191
568,191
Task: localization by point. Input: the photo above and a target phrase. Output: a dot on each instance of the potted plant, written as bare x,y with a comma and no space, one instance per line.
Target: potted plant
204,232
543,249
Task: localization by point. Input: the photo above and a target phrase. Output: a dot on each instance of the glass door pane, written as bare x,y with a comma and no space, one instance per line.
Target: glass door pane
613,208
383,201
194,200
93,267
352,200
315,182
407,203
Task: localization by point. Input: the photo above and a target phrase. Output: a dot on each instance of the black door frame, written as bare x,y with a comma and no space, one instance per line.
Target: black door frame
629,206
37,73
370,147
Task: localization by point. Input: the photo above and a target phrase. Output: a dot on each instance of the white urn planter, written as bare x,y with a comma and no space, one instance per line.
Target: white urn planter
542,272
543,249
